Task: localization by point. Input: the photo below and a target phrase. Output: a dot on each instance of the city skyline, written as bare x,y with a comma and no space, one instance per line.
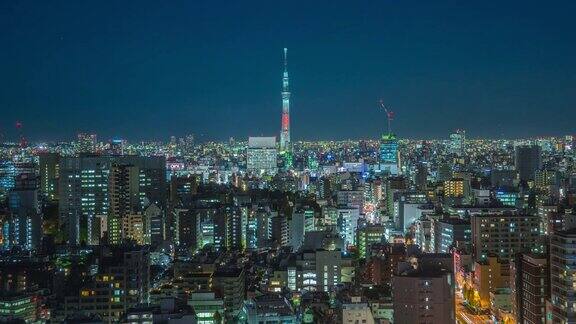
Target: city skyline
141,75
168,162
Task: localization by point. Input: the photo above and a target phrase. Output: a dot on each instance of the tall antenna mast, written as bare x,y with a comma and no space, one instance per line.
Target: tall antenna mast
285,125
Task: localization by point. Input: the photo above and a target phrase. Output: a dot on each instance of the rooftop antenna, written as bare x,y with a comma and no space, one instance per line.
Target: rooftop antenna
389,114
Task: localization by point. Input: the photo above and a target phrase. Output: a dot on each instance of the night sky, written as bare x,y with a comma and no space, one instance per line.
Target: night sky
151,69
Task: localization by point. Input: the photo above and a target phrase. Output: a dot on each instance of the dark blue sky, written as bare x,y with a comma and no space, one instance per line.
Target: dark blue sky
150,69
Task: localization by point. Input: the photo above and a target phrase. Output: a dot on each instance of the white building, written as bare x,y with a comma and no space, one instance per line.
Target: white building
347,224
261,155
357,312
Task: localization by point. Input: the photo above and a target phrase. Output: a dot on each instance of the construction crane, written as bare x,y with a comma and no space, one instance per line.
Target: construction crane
23,141
389,114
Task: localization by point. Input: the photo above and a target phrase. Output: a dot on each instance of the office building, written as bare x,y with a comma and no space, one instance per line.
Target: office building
456,188
258,232
408,207
84,190
261,155
25,217
529,277
458,142
490,274
86,143
563,277
424,297
504,234
49,169
122,283
125,205
389,155
230,284
368,235
182,188
319,270
20,308
347,224
527,159
451,232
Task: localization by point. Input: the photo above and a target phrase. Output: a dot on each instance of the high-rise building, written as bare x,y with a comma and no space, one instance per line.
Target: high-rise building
455,188
86,143
19,308
504,234
258,230
117,146
421,178
409,207
285,130
49,166
490,274
563,277
457,142
451,232
368,235
25,226
424,297
230,283
527,159
125,206
8,173
236,224
351,198
182,188
123,282
261,155
84,190
279,232
319,270
154,225
529,277
347,224
389,155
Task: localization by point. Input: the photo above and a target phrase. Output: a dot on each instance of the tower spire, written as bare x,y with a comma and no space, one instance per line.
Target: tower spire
285,127
285,59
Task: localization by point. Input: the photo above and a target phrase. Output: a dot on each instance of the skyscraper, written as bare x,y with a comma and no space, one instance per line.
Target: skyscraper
457,142
423,295
389,157
527,160
504,234
26,218
529,282
261,155
124,200
562,279
285,131
49,174
84,189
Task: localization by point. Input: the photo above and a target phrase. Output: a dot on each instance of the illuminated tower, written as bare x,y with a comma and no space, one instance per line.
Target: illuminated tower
285,130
